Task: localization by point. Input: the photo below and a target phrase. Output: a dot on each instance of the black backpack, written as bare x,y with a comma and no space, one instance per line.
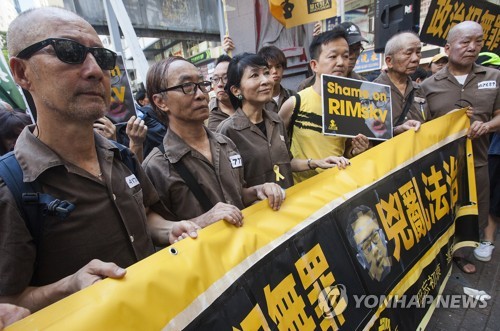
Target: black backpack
32,203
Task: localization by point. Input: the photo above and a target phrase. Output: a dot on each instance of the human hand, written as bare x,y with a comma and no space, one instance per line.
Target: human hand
477,129
332,161
469,111
227,44
223,211
11,313
273,192
360,143
92,272
105,128
183,229
410,124
317,29
136,131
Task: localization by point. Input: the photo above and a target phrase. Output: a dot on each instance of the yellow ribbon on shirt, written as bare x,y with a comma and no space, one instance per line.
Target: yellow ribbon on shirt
279,176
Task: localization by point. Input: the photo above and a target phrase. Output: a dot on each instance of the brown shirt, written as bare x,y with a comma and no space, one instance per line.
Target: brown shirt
398,99
284,95
481,89
216,116
260,153
221,180
108,223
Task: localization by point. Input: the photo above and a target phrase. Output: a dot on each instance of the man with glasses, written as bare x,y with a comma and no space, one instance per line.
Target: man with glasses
462,82
355,40
58,57
368,239
220,106
402,57
197,173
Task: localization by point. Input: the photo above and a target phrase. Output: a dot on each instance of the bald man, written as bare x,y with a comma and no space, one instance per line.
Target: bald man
58,57
402,57
463,83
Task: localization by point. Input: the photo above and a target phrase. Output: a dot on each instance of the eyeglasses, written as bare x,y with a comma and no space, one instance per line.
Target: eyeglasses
377,103
367,245
216,79
190,88
69,51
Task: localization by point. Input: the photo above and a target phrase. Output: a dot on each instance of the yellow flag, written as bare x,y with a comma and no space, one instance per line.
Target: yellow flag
291,13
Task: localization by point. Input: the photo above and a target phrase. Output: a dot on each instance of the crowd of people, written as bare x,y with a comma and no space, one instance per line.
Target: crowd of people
198,160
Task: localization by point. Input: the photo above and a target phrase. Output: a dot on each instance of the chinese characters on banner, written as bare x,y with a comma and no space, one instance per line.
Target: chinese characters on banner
444,14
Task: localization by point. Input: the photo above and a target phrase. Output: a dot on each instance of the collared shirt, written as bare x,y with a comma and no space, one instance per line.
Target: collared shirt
108,223
261,153
216,115
221,180
398,99
284,95
481,89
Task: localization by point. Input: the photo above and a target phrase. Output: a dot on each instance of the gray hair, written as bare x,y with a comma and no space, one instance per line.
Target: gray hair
397,42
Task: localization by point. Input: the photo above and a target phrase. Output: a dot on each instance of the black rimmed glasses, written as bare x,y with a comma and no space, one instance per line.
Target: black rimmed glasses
190,88
377,103
216,79
72,52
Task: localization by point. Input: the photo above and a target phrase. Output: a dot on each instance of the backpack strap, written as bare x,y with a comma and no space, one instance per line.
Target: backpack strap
31,203
295,113
191,182
406,108
127,157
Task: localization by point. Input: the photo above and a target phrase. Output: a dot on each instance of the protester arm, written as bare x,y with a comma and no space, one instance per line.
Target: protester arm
311,164
36,298
11,313
136,131
165,232
285,113
105,128
479,128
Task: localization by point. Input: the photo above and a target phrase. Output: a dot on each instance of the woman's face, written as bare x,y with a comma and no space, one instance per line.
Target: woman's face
256,85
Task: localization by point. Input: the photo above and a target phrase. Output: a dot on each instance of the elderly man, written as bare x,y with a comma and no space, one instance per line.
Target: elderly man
402,57
330,55
58,57
464,83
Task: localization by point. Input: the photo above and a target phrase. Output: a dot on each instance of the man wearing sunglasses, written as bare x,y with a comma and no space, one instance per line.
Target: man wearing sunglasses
58,57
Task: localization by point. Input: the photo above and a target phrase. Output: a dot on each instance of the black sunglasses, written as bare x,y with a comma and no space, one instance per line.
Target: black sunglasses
190,88
69,51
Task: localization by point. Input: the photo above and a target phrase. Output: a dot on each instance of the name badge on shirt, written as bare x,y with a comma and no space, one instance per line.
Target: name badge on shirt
282,138
235,161
487,84
132,181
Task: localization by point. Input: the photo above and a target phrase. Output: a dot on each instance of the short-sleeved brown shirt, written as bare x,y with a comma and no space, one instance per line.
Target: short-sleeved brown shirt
108,223
481,89
398,100
216,116
260,153
221,180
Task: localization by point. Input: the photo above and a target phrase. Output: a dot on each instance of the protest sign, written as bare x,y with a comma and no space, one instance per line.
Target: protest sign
352,106
122,101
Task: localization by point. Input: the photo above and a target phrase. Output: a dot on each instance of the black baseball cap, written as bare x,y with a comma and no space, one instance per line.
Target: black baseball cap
353,33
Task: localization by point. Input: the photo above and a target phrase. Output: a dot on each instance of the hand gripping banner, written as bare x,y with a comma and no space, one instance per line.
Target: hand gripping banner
368,247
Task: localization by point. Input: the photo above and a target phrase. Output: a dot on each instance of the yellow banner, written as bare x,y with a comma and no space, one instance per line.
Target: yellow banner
291,13
171,289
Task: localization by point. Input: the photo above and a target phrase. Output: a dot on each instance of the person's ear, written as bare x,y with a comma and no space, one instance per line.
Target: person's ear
314,65
447,49
235,91
18,68
160,102
388,61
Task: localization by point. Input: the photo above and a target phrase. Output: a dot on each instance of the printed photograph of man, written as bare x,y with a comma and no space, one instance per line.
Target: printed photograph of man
366,236
378,128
